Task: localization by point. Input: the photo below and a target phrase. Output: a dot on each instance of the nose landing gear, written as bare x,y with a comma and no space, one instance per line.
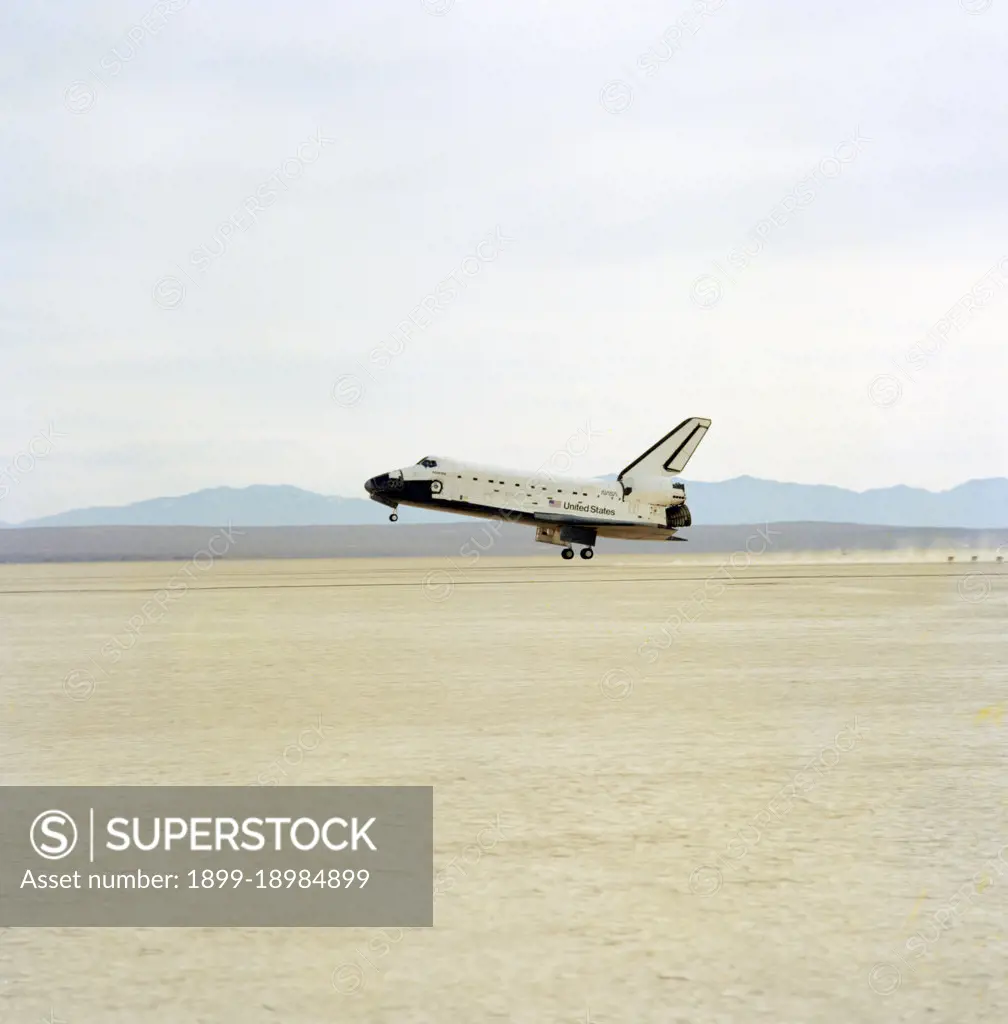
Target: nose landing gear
394,518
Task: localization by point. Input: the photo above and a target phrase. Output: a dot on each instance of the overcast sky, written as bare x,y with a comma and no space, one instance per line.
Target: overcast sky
214,213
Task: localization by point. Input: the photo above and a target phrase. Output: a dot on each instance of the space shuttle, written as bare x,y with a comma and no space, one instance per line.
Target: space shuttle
646,502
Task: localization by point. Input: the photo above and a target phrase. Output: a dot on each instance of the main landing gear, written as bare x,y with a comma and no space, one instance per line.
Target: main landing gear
586,553
565,536
394,518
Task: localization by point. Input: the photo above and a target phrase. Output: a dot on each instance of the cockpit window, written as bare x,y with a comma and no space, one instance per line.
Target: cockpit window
428,462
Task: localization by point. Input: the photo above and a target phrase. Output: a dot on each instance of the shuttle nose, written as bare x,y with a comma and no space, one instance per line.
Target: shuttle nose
377,484
382,483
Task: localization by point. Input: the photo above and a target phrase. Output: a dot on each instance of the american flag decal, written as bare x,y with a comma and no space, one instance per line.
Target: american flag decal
555,504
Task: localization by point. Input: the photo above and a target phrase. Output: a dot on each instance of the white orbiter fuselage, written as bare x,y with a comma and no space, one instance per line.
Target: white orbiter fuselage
646,502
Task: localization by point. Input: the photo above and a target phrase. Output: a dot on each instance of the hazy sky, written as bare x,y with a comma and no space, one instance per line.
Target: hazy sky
622,215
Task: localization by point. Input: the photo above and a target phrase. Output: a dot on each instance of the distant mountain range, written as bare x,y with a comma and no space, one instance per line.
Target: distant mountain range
977,504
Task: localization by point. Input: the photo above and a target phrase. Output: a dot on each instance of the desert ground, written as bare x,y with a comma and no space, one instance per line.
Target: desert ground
745,789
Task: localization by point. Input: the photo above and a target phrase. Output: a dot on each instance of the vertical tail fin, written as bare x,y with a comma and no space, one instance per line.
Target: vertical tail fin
669,456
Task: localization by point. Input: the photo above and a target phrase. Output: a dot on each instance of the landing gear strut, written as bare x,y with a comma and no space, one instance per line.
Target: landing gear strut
394,518
567,553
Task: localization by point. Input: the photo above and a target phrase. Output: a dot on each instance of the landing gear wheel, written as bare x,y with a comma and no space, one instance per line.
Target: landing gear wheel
567,553
587,553
394,518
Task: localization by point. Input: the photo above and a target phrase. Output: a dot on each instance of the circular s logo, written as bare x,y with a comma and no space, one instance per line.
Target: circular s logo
347,390
706,881
438,585
53,835
885,390
974,586
435,487
616,97
706,291
884,979
348,979
616,684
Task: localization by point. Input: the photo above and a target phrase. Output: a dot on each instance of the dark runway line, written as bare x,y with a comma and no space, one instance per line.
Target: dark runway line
511,582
